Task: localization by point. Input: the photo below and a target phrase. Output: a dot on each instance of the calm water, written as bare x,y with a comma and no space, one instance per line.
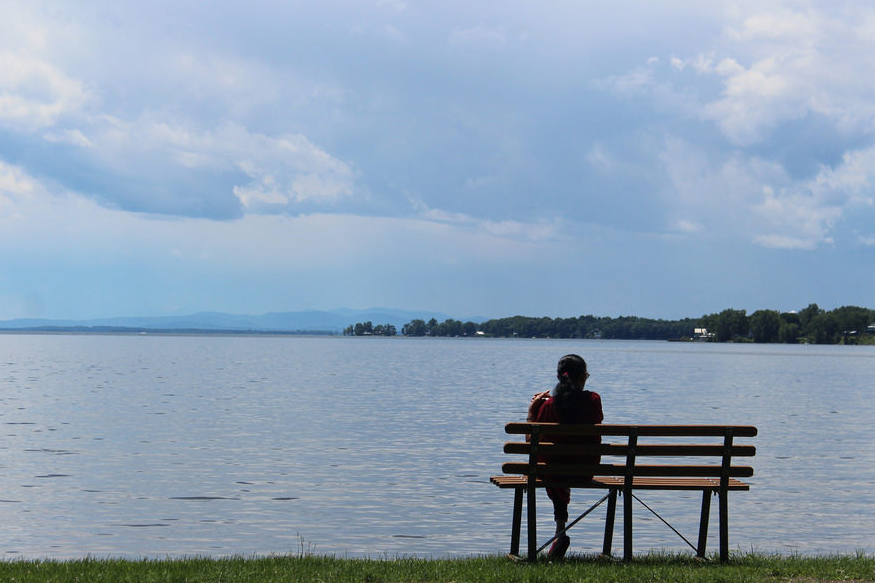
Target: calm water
153,446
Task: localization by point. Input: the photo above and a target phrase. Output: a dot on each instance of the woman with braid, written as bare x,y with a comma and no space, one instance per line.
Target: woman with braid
568,402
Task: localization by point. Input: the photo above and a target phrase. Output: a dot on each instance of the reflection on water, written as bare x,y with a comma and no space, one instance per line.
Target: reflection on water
156,446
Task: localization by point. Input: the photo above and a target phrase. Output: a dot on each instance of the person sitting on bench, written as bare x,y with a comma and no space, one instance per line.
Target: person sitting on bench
568,402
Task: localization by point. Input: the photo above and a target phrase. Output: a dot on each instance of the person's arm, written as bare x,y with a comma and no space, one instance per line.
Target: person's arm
535,405
597,402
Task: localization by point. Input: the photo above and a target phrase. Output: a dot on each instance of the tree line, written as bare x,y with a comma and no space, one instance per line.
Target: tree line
848,324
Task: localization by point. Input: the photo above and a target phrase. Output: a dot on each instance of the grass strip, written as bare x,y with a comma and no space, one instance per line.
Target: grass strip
752,568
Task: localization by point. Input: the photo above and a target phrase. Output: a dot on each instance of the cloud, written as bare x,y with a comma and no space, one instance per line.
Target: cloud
65,227
805,214
640,80
538,231
757,199
34,94
151,163
14,181
786,64
797,220
776,64
787,87
179,131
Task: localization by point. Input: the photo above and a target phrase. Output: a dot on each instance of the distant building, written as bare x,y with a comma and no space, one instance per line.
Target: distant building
702,334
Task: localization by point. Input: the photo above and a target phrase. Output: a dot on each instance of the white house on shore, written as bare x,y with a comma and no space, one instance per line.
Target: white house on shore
702,334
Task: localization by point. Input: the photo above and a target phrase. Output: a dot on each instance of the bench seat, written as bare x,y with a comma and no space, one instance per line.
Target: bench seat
638,483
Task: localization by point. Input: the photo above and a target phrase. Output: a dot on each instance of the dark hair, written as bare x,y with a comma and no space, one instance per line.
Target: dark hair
566,395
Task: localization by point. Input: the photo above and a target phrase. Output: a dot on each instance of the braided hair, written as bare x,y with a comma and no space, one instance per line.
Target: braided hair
568,393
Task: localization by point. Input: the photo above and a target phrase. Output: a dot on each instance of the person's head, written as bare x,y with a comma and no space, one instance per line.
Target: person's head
572,374
572,369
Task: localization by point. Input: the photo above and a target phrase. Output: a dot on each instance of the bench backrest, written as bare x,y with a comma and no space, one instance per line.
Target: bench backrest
623,447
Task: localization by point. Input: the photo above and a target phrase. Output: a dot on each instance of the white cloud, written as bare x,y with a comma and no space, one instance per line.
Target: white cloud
67,226
282,170
689,226
14,181
805,61
777,62
34,93
796,220
851,181
601,159
758,200
639,80
73,137
535,231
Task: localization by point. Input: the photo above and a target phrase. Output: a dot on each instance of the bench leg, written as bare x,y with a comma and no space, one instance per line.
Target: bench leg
627,524
609,523
724,526
703,523
517,521
532,524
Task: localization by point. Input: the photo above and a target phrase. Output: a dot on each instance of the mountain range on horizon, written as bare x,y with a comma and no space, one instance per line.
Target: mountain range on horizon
333,321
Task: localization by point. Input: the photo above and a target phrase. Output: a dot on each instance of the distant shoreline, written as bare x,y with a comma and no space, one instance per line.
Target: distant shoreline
122,331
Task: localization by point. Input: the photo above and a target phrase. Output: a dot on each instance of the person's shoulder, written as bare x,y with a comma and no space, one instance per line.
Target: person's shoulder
537,404
545,412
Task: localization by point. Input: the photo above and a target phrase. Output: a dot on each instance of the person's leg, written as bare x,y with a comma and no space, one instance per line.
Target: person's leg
560,498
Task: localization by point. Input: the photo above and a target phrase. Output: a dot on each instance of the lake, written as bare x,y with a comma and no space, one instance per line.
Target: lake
171,446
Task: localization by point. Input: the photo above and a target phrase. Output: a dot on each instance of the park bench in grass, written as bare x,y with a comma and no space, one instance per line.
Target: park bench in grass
633,457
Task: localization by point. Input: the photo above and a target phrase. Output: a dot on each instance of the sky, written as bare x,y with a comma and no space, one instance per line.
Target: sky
480,159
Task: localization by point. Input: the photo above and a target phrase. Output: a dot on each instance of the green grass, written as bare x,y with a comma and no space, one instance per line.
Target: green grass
656,568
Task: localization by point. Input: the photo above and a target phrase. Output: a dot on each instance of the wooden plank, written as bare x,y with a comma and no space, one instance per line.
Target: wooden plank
511,481
666,470
519,428
621,449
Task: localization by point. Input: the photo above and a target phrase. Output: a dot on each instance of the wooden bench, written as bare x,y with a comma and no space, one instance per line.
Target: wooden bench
705,467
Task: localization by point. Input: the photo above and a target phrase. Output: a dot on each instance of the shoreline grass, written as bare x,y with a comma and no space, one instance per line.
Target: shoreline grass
749,568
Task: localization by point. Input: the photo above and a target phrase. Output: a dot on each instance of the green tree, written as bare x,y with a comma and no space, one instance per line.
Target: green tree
852,319
731,324
788,333
822,329
808,314
362,328
765,325
416,327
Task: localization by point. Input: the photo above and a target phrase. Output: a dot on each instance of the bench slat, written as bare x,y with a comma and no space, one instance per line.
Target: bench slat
644,430
637,483
667,470
669,449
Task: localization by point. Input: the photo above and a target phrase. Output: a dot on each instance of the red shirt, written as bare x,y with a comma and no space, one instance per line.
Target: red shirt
588,410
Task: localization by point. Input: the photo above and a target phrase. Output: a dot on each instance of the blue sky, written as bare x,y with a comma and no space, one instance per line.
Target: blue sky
549,158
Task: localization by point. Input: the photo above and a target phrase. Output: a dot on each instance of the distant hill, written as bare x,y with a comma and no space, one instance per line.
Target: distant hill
332,321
